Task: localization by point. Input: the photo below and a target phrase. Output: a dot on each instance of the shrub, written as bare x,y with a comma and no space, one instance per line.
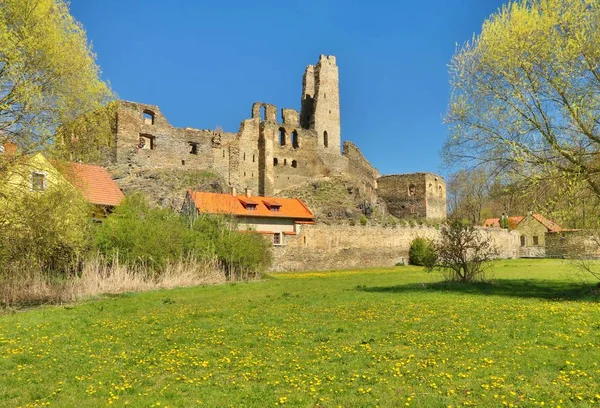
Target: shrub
421,252
363,220
143,236
463,252
42,232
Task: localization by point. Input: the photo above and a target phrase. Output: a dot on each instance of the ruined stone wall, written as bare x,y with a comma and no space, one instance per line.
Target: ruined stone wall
342,247
416,195
145,139
360,169
573,244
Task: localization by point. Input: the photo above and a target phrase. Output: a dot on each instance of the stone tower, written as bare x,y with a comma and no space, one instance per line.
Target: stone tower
321,103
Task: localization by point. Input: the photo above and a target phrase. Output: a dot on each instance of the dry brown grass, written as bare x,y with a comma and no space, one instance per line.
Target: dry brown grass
26,286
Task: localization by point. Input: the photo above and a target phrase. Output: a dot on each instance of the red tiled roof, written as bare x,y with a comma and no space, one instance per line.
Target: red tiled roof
215,203
495,222
94,182
551,226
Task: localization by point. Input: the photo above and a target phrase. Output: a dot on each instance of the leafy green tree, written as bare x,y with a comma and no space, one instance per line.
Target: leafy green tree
48,73
526,94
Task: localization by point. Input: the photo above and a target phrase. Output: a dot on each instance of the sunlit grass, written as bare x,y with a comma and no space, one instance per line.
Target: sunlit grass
358,338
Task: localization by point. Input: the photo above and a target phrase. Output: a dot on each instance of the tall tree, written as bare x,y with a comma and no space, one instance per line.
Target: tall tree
48,73
526,94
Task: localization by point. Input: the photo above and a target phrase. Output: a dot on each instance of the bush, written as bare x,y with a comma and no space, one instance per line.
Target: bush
143,236
42,232
463,253
421,252
363,220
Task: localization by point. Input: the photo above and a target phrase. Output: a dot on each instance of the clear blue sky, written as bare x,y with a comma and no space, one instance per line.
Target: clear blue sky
204,62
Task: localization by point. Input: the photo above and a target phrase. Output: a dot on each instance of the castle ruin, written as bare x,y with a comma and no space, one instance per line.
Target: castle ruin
270,154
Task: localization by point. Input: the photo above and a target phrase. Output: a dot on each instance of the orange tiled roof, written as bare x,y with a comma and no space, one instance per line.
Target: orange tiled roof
516,220
216,203
495,222
94,182
551,225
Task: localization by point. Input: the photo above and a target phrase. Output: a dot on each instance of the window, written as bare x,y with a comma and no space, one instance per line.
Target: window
274,208
295,143
325,139
285,162
281,137
253,158
277,238
146,142
38,181
440,191
193,148
535,240
412,190
244,156
294,163
263,113
275,161
148,117
251,207
523,241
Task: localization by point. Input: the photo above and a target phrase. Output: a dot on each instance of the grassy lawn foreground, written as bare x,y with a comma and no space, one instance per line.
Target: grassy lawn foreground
365,338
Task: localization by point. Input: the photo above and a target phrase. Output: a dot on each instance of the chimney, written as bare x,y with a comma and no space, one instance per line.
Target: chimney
248,192
233,190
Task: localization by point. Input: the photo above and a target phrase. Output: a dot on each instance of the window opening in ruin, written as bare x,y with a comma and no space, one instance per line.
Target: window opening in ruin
146,142
277,238
148,117
253,158
294,163
263,113
304,239
522,240
223,153
38,181
412,190
281,137
325,139
244,156
244,174
193,148
535,240
285,162
324,96
295,143
183,162
440,191
275,161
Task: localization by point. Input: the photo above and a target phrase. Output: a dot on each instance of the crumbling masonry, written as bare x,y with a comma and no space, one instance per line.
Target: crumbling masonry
267,155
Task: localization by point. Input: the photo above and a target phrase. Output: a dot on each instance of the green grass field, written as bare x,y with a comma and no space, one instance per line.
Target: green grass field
376,337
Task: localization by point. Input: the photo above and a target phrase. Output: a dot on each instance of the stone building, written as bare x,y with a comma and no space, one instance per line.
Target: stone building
271,153
417,195
532,229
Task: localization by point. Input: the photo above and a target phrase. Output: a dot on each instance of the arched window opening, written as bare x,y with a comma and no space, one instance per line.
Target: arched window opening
325,139
263,113
148,117
295,142
440,191
282,137
275,161
294,163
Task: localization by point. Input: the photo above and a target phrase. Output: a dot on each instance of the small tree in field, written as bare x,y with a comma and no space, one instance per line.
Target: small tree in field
462,253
